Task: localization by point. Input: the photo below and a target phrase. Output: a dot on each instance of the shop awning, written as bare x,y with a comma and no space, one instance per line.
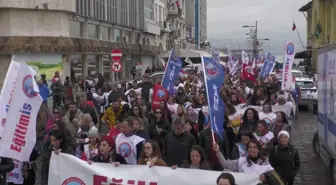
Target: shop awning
193,53
303,54
306,7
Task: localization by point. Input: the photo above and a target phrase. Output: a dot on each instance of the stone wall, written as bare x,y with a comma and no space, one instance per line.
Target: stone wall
4,64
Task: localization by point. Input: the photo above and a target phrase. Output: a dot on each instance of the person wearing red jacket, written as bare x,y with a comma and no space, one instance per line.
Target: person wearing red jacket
56,77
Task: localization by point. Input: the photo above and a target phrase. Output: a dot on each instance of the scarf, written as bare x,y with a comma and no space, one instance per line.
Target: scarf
242,149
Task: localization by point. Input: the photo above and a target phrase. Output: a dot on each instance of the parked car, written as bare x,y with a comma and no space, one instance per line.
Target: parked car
308,91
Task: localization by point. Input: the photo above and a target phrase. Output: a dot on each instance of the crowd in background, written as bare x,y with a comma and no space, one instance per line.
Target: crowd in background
93,120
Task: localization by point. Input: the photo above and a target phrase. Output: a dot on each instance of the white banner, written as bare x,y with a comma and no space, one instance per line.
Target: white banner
19,133
287,66
7,91
241,108
101,173
15,176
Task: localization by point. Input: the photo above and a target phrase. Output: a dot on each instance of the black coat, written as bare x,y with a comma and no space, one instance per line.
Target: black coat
285,161
143,133
6,165
46,162
155,135
114,158
176,148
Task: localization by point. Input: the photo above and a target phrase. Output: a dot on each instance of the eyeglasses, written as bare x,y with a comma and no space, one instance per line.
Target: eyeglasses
158,112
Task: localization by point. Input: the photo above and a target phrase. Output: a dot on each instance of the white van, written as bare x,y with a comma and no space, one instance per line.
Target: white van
295,73
324,141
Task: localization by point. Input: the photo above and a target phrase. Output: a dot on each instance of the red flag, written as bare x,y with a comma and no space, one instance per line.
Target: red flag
178,4
248,73
159,94
294,26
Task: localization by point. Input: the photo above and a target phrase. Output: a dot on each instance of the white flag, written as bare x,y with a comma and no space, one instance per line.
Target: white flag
245,58
286,82
6,91
253,63
19,133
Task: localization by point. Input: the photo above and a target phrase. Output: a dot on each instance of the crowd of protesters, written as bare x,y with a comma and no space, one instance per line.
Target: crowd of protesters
92,120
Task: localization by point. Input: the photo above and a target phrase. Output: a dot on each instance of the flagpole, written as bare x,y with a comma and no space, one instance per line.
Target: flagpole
171,51
209,112
297,31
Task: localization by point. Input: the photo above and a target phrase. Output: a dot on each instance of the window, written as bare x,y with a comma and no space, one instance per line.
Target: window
156,13
112,11
124,18
92,31
149,9
117,35
99,9
160,14
128,36
75,29
305,84
104,31
296,74
78,7
110,34
106,68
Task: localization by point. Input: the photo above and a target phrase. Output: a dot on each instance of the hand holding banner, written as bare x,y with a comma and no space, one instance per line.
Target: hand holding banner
101,173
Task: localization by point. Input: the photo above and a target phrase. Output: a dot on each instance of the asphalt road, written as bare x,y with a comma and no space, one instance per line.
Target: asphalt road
313,171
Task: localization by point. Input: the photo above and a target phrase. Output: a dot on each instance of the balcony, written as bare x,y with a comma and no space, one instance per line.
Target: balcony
151,27
174,11
165,27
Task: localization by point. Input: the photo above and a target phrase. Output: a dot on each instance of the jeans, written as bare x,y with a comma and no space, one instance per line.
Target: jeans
57,101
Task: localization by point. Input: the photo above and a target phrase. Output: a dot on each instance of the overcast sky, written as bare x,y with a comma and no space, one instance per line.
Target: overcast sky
275,21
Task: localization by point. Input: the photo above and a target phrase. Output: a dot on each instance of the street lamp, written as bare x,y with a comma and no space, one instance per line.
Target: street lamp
246,26
255,36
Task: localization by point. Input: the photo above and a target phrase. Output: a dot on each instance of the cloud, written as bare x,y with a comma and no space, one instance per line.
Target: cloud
275,20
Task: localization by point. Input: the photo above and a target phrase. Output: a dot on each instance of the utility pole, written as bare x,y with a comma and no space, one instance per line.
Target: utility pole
255,49
254,37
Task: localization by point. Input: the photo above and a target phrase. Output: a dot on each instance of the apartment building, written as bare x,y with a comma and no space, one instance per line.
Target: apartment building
80,34
196,18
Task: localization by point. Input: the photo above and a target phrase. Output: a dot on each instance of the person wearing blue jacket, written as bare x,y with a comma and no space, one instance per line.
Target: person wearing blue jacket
296,94
44,91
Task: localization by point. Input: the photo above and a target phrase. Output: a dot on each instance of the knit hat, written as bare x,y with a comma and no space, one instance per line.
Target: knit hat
94,133
90,104
109,140
283,132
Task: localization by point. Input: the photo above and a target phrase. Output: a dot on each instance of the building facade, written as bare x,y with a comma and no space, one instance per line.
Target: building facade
177,37
82,33
196,18
321,25
203,20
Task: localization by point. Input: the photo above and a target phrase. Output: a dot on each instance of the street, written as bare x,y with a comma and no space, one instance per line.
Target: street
313,171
